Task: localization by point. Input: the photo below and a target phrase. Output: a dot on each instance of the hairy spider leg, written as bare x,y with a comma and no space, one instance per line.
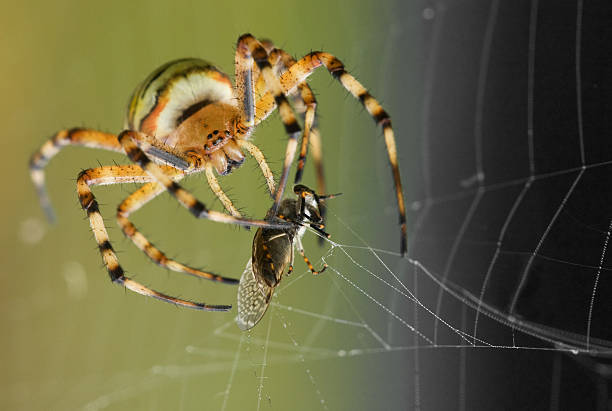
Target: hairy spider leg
305,104
303,98
244,88
301,70
249,48
246,76
134,202
317,157
216,188
97,139
128,140
306,97
311,131
63,138
152,147
265,105
115,175
261,160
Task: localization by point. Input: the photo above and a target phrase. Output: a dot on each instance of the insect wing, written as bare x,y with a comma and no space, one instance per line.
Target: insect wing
252,303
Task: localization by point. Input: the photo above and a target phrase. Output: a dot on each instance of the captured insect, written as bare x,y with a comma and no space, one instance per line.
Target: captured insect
186,118
273,253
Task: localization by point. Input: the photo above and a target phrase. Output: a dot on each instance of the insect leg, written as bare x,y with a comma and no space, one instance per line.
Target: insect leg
306,260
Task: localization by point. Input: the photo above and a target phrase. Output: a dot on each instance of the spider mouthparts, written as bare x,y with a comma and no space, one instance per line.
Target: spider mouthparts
231,164
232,151
234,163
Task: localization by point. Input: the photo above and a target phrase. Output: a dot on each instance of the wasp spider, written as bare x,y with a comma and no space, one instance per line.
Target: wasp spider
187,117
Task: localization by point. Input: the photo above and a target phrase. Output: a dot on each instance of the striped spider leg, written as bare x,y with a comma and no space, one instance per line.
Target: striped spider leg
300,71
117,175
273,252
278,62
134,174
135,201
305,103
248,51
75,136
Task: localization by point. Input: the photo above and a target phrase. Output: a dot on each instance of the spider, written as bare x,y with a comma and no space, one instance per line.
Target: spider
273,253
185,118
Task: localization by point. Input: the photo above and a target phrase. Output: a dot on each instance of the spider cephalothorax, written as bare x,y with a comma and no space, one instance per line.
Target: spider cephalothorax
190,106
187,117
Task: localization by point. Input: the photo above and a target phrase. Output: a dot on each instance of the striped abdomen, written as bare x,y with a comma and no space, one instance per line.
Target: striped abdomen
173,92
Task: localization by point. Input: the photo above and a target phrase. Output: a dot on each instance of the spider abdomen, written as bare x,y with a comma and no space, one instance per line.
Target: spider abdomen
174,92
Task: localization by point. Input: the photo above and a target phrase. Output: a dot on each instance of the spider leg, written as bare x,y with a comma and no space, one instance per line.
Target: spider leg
74,136
128,141
305,103
245,79
216,188
311,131
134,202
117,175
249,49
301,70
247,75
317,157
261,160
166,154
308,109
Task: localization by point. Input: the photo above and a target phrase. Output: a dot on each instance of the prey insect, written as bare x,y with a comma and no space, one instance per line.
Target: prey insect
273,252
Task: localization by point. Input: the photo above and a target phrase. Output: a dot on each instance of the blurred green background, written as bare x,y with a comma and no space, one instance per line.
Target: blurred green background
75,341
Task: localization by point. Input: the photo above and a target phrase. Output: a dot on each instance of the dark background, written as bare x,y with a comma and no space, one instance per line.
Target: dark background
495,75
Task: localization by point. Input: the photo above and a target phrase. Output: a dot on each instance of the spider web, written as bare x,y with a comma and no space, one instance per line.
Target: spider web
503,298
